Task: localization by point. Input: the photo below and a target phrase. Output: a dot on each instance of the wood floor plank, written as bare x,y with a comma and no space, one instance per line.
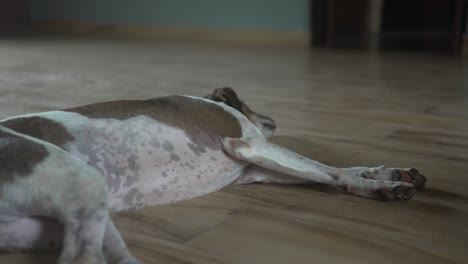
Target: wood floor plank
259,237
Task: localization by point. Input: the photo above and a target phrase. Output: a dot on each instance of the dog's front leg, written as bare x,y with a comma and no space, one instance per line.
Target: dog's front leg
259,174
259,151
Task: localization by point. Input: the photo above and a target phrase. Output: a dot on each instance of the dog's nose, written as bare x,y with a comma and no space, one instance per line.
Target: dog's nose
270,124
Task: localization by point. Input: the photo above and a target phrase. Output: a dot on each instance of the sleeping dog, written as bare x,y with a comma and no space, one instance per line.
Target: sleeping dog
62,172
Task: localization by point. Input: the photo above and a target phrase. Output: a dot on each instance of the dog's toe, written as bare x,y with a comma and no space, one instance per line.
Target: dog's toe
404,192
410,176
419,180
384,195
396,175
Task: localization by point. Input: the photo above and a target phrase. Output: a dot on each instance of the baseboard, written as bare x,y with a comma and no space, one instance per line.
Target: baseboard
251,37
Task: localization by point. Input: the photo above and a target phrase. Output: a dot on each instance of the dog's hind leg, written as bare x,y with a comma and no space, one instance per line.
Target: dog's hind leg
83,239
114,247
26,234
31,234
82,205
40,179
259,151
63,188
77,198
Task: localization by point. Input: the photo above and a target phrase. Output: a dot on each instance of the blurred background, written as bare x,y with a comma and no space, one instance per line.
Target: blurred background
421,25
348,82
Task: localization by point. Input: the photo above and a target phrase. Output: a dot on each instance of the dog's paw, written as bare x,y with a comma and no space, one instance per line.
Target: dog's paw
384,173
410,175
403,191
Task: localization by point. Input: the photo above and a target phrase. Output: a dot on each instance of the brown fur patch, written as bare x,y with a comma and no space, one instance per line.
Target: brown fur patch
18,156
203,122
41,128
226,95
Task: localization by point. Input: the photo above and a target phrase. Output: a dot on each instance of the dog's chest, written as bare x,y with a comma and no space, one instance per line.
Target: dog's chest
146,162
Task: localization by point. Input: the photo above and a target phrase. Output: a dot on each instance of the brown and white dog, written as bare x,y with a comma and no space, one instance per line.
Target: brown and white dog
61,172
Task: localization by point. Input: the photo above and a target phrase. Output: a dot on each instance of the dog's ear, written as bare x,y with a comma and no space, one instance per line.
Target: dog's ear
227,96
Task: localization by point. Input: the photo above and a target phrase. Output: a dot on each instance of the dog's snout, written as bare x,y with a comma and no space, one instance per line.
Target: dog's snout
270,125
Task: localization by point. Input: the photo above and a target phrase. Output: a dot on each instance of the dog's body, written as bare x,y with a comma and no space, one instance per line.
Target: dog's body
148,153
139,154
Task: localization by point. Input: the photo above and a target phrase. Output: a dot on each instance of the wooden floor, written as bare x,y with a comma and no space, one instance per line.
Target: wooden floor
343,108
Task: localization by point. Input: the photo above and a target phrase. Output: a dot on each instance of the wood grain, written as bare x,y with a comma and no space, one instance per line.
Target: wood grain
343,108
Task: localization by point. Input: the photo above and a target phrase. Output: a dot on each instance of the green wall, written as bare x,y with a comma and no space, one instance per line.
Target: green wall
289,15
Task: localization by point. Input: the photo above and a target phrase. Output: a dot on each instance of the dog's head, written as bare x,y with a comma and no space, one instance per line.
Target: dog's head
229,97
